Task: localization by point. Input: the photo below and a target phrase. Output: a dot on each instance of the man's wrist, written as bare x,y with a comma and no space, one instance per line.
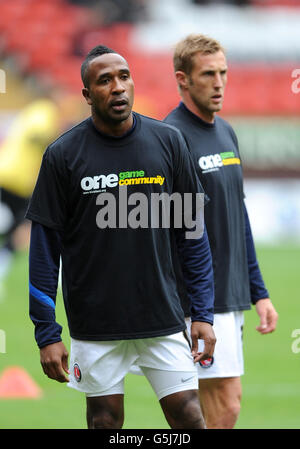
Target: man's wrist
47,343
197,320
262,299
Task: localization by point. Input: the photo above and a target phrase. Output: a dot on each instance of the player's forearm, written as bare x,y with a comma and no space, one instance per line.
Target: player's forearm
257,286
197,269
44,257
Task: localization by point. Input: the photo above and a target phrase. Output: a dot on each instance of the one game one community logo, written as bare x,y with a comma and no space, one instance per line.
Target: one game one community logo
98,183
214,162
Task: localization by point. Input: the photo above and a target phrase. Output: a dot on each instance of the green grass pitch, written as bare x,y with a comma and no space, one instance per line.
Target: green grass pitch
271,384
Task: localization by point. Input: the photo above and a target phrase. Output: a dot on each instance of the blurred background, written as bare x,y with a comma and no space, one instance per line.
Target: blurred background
42,45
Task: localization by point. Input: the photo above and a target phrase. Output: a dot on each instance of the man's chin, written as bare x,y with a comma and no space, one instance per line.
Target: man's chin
217,107
120,116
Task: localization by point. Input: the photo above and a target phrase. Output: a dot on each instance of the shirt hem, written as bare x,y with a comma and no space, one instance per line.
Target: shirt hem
134,336
232,308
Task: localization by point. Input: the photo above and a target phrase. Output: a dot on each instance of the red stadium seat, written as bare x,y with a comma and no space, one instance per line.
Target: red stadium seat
44,34
66,72
276,3
47,53
10,13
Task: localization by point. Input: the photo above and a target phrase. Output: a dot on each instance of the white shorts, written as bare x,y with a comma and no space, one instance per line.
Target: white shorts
99,368
228,358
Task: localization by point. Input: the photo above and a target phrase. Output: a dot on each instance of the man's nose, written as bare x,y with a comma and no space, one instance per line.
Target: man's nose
218,81
118,86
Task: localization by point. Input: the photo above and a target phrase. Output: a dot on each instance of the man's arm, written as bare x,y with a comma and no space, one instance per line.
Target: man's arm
259,294
196,262
44,258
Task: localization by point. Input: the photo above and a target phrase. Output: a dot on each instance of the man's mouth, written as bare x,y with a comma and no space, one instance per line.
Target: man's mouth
119,105
216,98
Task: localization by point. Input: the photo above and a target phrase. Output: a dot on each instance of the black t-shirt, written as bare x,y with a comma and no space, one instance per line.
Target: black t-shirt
118,283
214,149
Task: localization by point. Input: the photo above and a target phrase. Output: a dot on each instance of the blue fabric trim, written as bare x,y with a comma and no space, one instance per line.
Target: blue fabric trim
41,296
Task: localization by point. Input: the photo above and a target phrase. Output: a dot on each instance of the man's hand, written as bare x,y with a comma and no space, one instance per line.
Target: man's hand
54,360
267,314
202,331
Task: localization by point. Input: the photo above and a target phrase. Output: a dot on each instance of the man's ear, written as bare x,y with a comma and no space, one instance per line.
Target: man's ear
181,79
86,93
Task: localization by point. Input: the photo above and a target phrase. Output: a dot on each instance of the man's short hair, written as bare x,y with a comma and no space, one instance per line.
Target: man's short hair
99,50
189,46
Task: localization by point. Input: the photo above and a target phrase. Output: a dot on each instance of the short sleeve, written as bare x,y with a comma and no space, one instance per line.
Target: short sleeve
48,205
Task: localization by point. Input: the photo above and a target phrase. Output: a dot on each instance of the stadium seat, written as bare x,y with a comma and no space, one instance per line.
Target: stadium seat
66,72
10,13
276,3
46,35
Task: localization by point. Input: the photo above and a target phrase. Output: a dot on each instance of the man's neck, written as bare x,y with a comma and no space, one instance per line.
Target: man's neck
206,116
114,129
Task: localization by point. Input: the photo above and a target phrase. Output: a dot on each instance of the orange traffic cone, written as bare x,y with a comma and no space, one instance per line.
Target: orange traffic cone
16,383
